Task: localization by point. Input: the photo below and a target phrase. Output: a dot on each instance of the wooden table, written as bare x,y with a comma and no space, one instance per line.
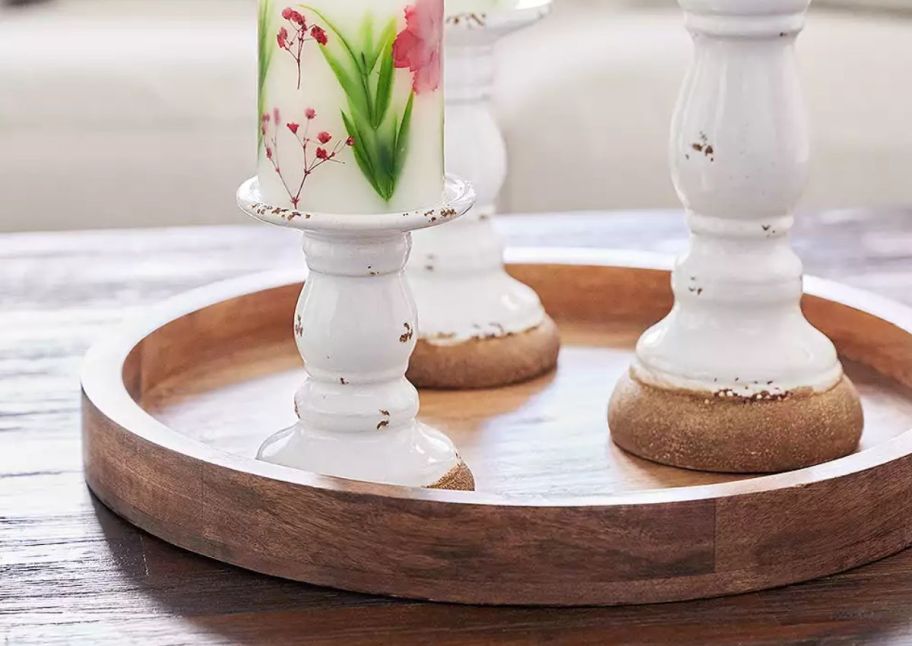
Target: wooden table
72,572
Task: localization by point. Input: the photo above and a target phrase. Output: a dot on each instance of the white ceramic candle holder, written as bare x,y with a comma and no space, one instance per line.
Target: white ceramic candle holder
355,328
735,378
477,326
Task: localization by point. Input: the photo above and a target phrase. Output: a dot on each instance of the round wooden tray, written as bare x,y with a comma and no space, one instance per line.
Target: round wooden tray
177,403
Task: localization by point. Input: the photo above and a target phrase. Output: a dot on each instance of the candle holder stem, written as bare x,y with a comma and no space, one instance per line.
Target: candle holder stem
358,315
354,327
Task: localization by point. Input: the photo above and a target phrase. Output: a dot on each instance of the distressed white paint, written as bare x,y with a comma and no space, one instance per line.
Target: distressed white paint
739,157
354,326
456,271
485,17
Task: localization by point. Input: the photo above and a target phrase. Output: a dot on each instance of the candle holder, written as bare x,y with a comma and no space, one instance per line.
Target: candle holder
735,379
477,326
355,329
351,123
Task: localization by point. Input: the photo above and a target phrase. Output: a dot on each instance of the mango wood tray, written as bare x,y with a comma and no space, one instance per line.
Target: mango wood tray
176,404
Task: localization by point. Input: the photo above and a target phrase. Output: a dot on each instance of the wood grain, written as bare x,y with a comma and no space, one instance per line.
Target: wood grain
71,572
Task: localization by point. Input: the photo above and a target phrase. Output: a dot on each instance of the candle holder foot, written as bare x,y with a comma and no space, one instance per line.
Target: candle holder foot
459,478
415,455
486,362
725,432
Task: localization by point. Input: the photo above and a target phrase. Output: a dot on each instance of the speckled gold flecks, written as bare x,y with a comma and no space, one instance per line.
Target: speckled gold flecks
486,362
699,431
458,478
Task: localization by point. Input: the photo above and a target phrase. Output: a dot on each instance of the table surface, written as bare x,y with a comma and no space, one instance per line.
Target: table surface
72,572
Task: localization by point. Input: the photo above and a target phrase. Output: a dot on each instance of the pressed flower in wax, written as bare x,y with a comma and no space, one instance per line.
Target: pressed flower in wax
359,86
417,47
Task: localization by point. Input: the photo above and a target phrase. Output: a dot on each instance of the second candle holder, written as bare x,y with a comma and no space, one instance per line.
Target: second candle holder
477,326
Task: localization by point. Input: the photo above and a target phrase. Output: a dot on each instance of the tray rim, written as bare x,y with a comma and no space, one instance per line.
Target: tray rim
98,378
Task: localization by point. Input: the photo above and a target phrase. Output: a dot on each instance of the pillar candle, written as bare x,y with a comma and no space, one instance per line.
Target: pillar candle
351,105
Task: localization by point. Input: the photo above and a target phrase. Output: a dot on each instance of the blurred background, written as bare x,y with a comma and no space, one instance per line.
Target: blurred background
126,113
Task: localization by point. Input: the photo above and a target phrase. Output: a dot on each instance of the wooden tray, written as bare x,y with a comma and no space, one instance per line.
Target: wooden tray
176,404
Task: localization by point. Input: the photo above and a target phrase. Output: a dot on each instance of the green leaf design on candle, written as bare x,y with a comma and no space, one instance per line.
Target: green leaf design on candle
364,68
403,133
264,49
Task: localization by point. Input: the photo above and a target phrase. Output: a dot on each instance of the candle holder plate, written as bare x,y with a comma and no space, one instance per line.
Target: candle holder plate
176,404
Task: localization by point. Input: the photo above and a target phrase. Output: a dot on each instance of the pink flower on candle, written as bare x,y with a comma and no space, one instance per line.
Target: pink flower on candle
313,154
295,34
417,47
319,34
350,141
290,14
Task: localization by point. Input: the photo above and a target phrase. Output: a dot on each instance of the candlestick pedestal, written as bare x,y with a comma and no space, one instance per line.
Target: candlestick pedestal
355,329
736,379
477,326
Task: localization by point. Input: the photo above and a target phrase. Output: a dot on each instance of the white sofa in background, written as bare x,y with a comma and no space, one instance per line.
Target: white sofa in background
595,87
139,113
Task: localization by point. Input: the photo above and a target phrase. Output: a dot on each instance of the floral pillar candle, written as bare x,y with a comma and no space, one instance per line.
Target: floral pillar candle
351,153
351,105
477,326
735,378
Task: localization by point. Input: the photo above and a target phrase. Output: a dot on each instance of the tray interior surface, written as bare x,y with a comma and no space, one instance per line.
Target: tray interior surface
548,437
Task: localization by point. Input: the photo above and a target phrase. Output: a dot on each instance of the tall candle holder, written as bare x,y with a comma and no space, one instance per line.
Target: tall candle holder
355,329
735,379
351,153
477,326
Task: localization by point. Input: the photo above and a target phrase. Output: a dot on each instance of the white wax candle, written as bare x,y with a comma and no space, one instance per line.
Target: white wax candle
351,105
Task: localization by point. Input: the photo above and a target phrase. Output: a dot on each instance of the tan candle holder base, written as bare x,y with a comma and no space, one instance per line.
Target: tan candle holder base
486,362
730,434
459,478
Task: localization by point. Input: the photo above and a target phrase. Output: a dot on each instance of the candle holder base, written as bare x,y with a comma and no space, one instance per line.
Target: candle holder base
459,478
413,456
725,432
486,361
